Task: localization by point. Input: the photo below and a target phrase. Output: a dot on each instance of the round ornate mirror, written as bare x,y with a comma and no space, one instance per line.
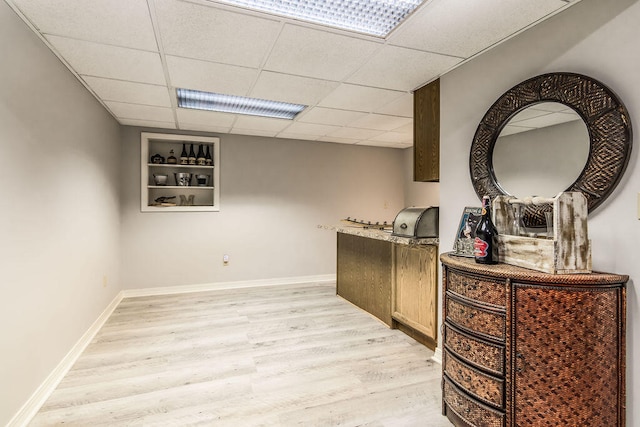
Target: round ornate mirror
604,119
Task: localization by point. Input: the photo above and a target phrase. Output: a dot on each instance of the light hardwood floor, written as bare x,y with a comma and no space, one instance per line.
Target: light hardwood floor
294,355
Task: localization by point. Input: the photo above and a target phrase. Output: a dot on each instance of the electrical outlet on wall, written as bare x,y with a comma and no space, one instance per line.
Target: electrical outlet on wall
225,259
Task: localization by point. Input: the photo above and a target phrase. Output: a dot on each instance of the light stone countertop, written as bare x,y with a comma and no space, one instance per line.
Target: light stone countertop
380,235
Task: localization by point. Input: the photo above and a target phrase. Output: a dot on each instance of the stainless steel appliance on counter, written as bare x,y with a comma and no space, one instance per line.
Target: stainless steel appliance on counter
416,222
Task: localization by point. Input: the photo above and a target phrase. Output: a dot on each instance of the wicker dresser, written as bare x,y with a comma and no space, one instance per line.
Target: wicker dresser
524,348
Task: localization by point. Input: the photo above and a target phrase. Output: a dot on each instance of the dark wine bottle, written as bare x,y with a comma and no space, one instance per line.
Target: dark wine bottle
171,159
184,157
207,157
200,159
192,156
485,245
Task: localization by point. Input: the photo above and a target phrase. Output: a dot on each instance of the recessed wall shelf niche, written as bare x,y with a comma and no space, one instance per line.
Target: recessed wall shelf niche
175,187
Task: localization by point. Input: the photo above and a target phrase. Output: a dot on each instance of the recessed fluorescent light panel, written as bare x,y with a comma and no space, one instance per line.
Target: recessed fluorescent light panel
374,17
198,100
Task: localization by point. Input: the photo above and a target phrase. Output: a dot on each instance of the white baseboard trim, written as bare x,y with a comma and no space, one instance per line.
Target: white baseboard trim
42,393
168,290
437,355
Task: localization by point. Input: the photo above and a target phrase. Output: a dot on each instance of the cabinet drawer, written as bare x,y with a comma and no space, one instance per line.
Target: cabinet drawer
470,410
484,387
475,319
478,289
488,356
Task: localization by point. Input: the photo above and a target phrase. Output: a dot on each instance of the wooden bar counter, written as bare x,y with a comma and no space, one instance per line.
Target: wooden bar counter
393,278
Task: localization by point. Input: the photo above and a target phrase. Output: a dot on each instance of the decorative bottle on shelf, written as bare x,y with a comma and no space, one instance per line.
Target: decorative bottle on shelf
184,157
192,156
201,159
171,159
485,245
207,157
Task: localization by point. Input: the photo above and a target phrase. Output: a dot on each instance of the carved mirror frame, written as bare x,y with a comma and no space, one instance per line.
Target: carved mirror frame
603,113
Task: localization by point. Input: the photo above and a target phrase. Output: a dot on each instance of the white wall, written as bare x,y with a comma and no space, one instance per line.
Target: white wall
59,211
596,38
418,193
274,193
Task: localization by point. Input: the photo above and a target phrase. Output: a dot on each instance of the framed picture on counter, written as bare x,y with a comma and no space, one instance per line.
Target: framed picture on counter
463,243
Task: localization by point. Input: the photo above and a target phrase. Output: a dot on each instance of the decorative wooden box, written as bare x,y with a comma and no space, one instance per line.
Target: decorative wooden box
567,252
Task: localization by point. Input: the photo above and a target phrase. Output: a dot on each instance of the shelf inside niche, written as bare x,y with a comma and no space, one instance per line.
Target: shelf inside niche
181,187
168,165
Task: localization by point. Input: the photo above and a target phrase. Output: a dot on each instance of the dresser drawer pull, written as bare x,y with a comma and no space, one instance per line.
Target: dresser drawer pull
466,347
467,378
472,287
470,315
521,363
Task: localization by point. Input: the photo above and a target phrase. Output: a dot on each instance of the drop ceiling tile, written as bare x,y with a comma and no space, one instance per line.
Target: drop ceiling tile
330,116
402,69
392,137
311,129
463,28
408,128
528,113
338,140
112,62
214,34
370,143
402,106
555,107
511,130
359,98
354,133
320,54
140,112
210,76
302,136
261,123
549,119
253,132
294,89
126,24
404,145
202,117
129,92
380,122
204,128
147,123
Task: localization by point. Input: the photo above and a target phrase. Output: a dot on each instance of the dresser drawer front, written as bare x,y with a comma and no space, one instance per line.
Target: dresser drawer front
471,411
478,289
480,385
475,319
490,357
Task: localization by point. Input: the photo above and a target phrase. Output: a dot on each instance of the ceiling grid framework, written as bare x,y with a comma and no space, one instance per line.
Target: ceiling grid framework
133,55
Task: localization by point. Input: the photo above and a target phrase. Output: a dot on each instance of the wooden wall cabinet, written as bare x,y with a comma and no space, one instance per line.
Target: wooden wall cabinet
414,300
426,133
528,348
